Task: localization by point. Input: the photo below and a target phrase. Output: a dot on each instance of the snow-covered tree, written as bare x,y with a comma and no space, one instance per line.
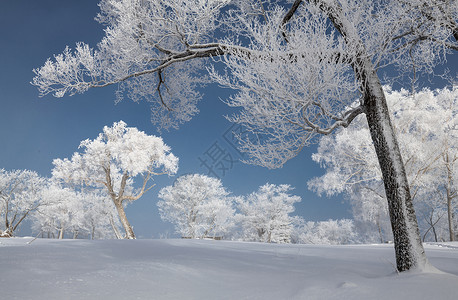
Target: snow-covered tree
198,206
99,219
64,210
432,216
426,124
297,66
265,214
19,196
112,162
61,212
331,232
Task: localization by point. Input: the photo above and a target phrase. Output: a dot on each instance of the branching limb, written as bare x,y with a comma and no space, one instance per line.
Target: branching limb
143,189
161,82
180,57
310,126
290,13
122,188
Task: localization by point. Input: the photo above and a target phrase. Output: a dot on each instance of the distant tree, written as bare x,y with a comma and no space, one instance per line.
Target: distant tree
297,66
265,214
99,219
432,216
331,232
61,212
19,196
113,160
198,206
426,124
66,211
370,212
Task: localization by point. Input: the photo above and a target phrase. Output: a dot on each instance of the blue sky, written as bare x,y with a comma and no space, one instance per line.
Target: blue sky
34,131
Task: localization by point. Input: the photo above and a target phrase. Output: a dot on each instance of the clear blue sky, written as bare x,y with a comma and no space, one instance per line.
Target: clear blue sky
34,131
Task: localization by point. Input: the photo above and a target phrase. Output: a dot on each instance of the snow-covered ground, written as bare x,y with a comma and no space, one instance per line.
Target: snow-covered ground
202,269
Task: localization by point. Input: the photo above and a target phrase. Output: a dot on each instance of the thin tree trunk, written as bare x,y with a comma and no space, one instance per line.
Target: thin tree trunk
432,225
407,241
7,223
92,232
61,234
424,235
450,216
449,196
125,223
455,227
115,229
380,230
435,234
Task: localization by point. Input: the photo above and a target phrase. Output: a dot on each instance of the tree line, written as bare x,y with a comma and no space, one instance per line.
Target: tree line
81,198
89,191
87,194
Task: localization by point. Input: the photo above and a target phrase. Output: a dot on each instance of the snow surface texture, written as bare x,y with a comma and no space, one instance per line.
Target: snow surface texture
203,269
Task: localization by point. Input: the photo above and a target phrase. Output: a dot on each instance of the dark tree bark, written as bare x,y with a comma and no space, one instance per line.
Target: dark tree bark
407,241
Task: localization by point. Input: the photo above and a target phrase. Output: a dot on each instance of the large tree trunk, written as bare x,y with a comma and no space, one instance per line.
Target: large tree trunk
125,223
117,201
407,241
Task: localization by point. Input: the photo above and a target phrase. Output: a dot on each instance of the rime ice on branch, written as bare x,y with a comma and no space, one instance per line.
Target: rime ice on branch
297,68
